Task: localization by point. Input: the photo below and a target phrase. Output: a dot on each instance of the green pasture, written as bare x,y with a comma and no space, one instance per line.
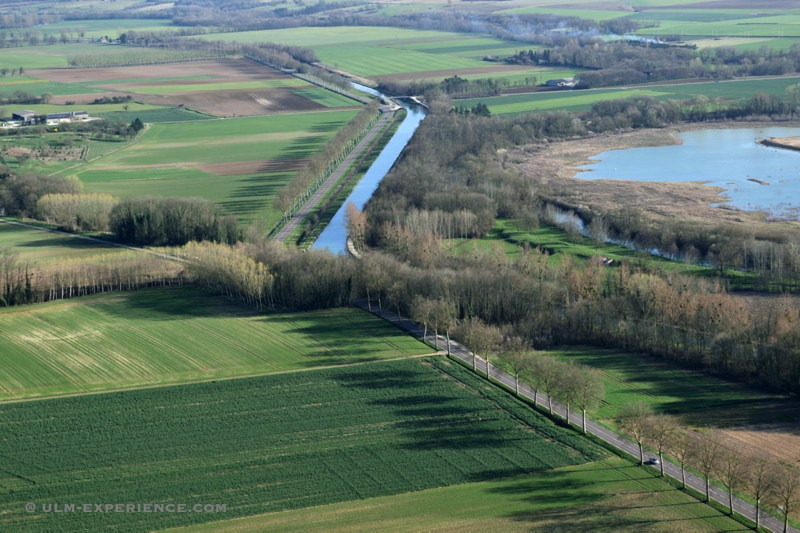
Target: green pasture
582,100
326,97
337,35
511,237
42,248
167,160
718,25
602,496
375,60
382,51
780,43
272,443
102,28
175,335
570,100
101,5
698,397
56,56
92,109
591,14
38,87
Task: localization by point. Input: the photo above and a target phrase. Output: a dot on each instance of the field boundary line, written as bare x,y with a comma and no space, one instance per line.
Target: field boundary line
612,438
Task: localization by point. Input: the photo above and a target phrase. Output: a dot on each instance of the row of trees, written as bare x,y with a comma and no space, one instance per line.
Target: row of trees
24,283
325,160
760,476
155,221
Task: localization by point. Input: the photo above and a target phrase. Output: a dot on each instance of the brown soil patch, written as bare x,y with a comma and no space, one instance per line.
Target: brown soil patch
245,102
226,103
453,72
781,441
227,70
82,99
553,168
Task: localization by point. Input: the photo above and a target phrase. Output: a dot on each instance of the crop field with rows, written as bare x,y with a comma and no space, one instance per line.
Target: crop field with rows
177,335
271,443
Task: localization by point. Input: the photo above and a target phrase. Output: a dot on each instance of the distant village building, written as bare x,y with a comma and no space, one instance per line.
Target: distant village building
68,116
561,82
29,117
23,116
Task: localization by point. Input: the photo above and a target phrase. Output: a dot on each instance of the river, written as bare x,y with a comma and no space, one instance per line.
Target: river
334,236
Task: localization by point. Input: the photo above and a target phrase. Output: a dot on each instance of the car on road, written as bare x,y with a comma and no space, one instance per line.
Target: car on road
653,461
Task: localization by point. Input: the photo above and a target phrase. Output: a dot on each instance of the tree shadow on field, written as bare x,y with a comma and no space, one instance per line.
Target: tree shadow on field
430,421
567,500
324,127
63,242
254,193
173,303
302,148
697,398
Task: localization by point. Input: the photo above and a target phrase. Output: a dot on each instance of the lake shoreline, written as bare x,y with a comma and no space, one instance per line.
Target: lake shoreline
554,169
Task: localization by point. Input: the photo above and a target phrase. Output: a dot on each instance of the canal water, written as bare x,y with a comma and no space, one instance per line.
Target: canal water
334,236
755,177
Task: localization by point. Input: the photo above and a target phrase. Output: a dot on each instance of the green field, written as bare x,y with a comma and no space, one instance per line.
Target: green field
382,51
326,97
515,104
43,248
610,495
124,340
269,444
110,28
57,56
173,160
582,100
697,397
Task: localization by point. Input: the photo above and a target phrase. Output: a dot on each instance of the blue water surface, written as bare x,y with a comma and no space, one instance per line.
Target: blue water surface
729,158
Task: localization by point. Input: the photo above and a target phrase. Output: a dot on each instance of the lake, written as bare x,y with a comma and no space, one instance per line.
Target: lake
729,158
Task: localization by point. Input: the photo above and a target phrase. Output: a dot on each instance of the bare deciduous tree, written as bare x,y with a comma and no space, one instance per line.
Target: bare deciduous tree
634,419
759,475
660,432
589,391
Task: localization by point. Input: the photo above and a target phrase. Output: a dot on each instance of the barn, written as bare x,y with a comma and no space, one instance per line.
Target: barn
23,116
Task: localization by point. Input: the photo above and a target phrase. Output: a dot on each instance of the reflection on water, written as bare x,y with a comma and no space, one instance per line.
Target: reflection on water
755,177
334,236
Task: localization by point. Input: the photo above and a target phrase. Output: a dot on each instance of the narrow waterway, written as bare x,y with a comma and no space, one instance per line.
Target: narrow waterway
334,236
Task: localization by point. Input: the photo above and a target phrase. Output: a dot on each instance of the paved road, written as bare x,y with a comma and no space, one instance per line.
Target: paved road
631,448
332,179
92,239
